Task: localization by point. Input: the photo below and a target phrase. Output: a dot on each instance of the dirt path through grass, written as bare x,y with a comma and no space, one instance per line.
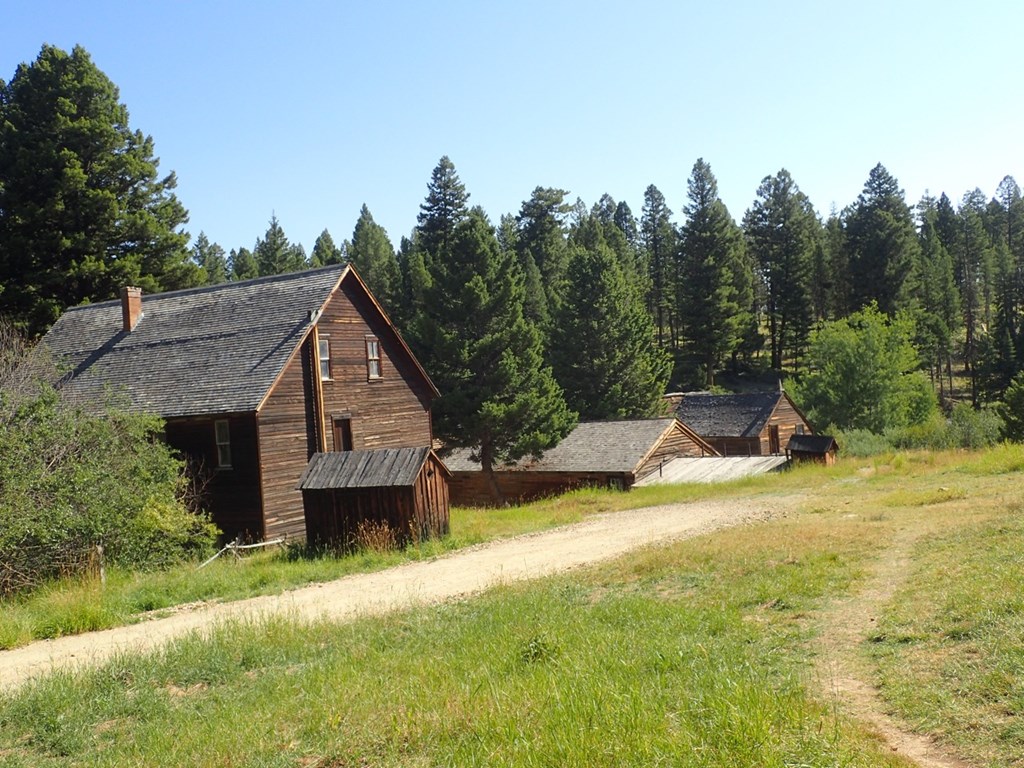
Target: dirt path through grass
465,572
843,672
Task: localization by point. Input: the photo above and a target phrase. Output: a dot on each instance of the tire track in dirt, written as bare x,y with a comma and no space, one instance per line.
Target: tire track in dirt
843,673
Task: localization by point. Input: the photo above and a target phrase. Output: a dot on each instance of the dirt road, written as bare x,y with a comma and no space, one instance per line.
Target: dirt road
471,570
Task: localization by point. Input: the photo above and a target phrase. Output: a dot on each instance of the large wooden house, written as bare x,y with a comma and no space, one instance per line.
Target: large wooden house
746,424
603,454
253,378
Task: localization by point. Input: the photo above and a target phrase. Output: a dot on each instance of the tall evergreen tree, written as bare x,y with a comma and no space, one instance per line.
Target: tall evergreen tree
972,267
881,244
211,259
659,240
542,245
325,251
275,255
783,235
372,254
603,348
710,310
937,298
243,264
83,210
441,212
498,395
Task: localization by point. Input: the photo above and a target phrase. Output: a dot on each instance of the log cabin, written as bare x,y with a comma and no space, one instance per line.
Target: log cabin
253,378
603,454
746,424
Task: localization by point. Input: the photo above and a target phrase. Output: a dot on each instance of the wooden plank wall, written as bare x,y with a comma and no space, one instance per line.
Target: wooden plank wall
471,489
786,418
390,412
232,496
287,440
414,513
674,445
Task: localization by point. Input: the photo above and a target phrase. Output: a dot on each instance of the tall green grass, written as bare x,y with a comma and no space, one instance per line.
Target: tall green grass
688,655
949,648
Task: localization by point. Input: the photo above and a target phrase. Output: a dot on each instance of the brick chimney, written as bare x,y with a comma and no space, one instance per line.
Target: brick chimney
131,307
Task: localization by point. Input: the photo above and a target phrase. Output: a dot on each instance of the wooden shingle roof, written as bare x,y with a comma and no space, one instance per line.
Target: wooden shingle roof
820,444
740,415
380,468
593,446
212,350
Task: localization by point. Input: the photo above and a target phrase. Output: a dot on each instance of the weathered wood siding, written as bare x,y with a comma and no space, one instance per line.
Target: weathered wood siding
471,489
231,496
418,512
287,439
676,444
737,446
786,418
392,411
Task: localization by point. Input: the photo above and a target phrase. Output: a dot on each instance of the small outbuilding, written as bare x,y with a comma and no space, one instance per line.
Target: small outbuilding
819,448
404,488
605,454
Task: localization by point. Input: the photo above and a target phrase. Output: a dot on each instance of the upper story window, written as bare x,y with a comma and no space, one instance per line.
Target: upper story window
799,429
324,355
222,435
373,369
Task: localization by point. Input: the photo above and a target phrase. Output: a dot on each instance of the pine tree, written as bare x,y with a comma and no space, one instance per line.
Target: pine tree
325,252
783,235
211,259
603,347
659,240
708,306
441,212
542,245
372,254
83,210
498,396
972,268
243,264
937,297
275,255
881,244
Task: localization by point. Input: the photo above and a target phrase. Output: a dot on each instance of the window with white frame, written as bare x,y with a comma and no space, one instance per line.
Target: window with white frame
373,369
222,433
324,356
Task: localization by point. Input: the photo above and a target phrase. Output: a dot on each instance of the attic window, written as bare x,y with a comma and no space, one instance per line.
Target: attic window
324,356
222,435
799,429
373,369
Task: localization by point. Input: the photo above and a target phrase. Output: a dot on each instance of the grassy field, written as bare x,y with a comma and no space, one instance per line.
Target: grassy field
700,653
82,605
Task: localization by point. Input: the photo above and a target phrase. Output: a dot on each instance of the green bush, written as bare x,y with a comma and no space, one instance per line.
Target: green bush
862,442
73,481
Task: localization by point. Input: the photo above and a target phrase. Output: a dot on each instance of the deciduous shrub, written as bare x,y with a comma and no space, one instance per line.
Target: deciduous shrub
74,480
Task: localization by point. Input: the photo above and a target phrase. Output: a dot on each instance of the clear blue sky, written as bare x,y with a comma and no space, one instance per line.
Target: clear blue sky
309,109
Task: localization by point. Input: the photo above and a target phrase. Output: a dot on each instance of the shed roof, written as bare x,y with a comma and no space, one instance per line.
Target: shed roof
211,350
379,468
593,446
739,415
820,444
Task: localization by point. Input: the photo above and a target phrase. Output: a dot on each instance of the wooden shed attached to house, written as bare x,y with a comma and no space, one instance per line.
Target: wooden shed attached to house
404,488
604,454
746,424
820,448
